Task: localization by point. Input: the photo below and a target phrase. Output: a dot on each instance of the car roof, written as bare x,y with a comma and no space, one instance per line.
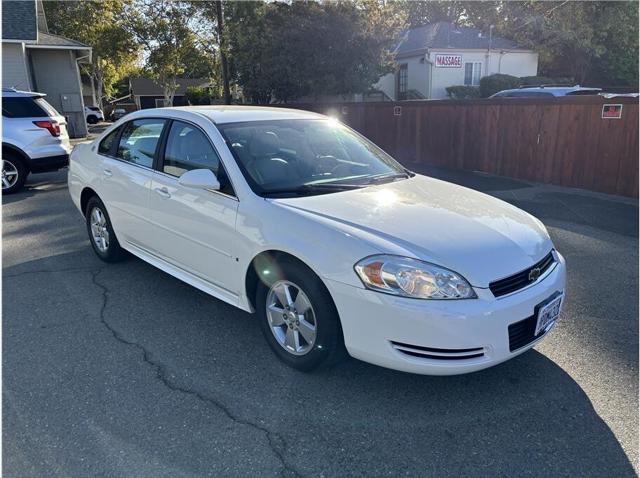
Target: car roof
221,114
554,90
13,93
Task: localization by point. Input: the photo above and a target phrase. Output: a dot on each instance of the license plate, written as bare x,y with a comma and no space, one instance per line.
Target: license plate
548,313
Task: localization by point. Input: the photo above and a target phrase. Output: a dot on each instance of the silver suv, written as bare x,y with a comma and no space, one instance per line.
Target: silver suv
545,91
34,138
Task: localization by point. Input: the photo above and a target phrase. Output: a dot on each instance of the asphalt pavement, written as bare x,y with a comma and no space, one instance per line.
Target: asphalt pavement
122,370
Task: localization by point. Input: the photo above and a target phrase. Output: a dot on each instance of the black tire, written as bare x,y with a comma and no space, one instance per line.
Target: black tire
92,119
113,252
16,165
328,349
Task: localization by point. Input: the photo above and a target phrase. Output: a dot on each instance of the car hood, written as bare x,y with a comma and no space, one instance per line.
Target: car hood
474,234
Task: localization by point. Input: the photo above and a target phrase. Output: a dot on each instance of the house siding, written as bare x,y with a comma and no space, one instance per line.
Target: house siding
56,74
14,67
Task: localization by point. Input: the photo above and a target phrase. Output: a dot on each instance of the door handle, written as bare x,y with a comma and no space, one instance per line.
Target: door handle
107,172
164,192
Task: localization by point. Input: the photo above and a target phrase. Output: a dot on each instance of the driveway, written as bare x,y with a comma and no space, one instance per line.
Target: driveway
121,370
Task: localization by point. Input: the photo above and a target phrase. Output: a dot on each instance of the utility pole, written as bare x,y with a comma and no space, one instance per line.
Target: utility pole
223,55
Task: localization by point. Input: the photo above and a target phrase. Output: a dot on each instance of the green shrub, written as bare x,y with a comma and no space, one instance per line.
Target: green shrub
493,83
198,95
463,92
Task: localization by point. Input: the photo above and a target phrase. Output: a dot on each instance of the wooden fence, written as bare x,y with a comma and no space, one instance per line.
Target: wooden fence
563,141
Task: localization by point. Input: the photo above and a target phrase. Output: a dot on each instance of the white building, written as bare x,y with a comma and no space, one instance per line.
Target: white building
35,60
432,57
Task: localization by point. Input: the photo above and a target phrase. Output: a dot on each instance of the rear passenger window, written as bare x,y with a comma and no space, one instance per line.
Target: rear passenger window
22,107
139,141
107,143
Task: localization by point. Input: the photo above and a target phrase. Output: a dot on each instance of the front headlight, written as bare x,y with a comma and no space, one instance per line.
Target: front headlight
412,278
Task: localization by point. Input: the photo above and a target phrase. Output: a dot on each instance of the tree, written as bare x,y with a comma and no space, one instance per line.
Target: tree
164,28
593,42
100,25
289,50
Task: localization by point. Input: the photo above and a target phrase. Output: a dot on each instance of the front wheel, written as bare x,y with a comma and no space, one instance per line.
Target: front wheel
298,318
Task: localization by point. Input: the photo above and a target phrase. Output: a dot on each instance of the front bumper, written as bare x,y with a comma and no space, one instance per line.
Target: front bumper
459,336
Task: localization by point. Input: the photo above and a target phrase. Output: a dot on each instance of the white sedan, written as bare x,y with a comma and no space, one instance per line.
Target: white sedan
330,242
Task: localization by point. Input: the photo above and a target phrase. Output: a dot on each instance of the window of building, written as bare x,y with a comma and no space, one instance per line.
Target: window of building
402,80
472,73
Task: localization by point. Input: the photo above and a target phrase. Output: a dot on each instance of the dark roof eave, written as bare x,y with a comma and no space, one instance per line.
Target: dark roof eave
422,51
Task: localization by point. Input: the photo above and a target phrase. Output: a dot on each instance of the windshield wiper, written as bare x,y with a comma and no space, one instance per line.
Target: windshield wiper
306,189
387,178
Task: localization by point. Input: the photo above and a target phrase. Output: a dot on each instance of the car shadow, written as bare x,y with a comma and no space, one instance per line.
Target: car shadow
38,183
526,417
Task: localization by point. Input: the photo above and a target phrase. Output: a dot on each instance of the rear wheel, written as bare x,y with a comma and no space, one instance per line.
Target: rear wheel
298,318
103,238
14,173
92,119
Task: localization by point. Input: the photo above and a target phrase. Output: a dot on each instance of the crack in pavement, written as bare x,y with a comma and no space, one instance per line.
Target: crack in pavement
161,374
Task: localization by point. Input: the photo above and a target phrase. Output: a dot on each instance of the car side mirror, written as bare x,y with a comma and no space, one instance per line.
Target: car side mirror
200,179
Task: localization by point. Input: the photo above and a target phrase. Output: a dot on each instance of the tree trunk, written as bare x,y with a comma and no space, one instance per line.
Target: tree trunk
223,55
97,79
169,86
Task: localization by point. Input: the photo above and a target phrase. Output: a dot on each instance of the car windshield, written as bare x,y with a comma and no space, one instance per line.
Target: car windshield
307,157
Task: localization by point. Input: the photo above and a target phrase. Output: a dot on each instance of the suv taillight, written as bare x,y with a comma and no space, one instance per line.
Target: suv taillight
52,126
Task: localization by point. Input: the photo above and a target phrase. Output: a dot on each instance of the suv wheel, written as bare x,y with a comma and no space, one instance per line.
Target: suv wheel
14,173
92,119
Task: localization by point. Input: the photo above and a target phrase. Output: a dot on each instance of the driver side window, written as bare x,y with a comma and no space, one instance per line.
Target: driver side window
188,148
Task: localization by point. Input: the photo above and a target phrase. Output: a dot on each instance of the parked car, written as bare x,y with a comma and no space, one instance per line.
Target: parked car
118,113
546,91
326,238
93,114
34,138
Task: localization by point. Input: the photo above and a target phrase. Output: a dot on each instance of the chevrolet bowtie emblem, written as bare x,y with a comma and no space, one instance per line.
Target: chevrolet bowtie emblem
534,274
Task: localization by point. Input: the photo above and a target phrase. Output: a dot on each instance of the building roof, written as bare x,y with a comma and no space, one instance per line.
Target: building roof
448,35
19,20
48,39
149,87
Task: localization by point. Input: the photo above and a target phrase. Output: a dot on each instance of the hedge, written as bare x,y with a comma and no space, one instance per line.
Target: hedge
493,83
462,92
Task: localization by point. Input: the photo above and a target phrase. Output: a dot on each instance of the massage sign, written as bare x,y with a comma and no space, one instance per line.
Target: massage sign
448,61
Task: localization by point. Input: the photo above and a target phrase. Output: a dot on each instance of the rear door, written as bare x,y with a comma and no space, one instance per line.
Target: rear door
127,172
193,229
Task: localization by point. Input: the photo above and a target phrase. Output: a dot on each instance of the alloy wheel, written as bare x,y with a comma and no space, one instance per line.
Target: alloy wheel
9,174
99,231
291,317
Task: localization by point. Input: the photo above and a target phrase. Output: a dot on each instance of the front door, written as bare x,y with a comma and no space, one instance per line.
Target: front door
194,229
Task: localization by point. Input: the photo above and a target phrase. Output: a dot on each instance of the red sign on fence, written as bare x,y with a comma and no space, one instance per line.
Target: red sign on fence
611,111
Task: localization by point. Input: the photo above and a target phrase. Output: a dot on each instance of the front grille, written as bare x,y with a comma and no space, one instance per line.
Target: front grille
521,279
438,354
522,333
